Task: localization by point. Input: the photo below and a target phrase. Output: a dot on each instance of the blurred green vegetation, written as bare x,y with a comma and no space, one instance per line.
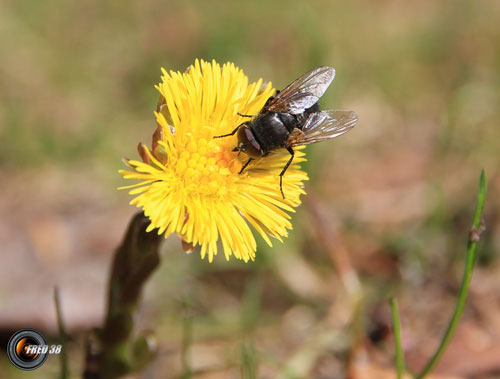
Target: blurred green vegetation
77,94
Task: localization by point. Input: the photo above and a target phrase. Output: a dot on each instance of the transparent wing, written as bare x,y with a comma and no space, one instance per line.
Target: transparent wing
303,93
324,125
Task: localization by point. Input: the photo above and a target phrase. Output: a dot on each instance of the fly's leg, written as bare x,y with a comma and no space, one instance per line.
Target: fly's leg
249,160
244,115
292,153
245,165
229,134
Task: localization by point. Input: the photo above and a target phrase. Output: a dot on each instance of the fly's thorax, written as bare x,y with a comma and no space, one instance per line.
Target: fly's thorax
269,131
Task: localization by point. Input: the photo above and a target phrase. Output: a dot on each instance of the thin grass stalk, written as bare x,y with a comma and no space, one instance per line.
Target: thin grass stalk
63,356
248,361
398,347
474,237
187,337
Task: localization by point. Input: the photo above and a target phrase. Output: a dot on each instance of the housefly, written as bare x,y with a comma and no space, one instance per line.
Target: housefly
292,117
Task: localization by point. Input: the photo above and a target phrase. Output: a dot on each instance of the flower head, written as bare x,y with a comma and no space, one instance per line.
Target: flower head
190,183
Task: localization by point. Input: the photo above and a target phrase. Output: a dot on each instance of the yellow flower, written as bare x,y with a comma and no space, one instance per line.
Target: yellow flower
190,182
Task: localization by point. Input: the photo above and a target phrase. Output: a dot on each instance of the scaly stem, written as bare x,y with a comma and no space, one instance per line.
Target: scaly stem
133,263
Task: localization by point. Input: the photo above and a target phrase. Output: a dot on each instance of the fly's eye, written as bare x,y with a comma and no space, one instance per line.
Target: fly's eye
253,149
247,142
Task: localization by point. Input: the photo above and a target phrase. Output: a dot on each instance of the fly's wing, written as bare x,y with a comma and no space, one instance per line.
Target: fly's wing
324,125
303,93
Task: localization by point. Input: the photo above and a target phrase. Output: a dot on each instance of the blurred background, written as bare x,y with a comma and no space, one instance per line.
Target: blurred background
388,209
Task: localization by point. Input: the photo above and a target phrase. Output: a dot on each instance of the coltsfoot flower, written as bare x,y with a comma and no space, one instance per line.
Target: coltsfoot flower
189,182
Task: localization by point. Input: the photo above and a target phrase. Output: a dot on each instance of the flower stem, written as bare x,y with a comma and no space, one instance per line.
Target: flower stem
396,324
474,237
